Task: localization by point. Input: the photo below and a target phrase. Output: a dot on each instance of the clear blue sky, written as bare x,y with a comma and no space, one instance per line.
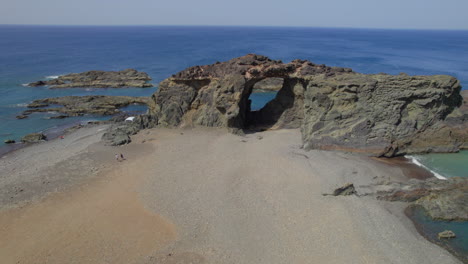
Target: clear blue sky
420,14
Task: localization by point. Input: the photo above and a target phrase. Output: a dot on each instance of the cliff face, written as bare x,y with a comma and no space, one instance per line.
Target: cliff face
336,108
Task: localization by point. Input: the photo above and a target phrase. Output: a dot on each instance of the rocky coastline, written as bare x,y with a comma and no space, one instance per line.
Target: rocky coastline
98,79
334,108
68,106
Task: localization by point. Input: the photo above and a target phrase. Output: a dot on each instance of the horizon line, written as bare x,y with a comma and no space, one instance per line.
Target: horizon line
233,26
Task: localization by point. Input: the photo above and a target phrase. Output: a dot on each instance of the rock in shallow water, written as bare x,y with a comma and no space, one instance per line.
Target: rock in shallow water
441,199
447,234
33,138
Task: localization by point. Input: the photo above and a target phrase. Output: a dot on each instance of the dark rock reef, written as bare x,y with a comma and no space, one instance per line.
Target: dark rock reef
442,199
81,105
336,108
99,79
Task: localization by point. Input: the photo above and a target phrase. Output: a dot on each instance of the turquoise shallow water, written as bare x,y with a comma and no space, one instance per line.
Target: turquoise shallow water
446,165
430,229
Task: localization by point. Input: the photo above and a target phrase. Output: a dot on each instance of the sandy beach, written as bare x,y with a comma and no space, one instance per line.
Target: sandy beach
199,196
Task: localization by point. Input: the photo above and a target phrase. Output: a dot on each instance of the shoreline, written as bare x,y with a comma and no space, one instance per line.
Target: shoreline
409,168
428,234
210,168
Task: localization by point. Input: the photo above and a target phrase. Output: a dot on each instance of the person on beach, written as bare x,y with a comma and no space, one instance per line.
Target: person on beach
122,156
117,157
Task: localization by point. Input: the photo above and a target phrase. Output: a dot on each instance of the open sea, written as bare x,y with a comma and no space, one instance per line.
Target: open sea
31,53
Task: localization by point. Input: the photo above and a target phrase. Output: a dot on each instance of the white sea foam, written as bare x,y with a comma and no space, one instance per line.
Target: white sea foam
415,161
25,84
52,77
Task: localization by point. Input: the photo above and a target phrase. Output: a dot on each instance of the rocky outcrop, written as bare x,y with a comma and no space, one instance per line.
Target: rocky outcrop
99,79
81,105
33,138
336,108
268,85
441,199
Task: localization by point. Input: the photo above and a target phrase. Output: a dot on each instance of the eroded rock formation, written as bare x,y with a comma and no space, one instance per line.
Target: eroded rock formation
336,108
442,199
81,105
99,79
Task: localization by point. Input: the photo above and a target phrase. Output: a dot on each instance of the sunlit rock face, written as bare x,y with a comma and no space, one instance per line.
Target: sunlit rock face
335,108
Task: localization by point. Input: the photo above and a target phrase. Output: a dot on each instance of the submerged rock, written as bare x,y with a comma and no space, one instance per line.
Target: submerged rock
9,141
99,79
336,108
33,138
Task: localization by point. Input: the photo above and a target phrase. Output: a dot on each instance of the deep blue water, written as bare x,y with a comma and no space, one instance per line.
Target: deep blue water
30,53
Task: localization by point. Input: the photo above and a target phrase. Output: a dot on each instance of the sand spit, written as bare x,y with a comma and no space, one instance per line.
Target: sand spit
207,196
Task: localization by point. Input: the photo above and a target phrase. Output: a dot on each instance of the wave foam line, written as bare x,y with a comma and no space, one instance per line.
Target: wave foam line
416,162
52,77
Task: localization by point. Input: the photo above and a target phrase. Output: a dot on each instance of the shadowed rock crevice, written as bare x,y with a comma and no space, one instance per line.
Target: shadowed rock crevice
284,111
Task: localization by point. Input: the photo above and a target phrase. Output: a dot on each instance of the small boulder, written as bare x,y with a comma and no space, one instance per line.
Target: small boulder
9,141
447,234
34,137
347,189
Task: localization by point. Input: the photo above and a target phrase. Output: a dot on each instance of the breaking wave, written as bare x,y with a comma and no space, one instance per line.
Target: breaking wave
415,161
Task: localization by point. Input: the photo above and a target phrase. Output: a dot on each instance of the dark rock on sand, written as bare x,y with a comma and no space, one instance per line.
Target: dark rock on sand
99,79
33,138
81,105
441,199
9,141
447,234
347,189
336,108
119,133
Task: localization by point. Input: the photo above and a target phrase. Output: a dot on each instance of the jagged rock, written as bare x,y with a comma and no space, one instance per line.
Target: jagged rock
336,108
99,79
9,141
447,234
347,189
441,199
81,105
33,138
119,133
21,116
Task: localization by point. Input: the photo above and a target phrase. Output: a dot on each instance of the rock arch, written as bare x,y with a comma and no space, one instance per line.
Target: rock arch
336,108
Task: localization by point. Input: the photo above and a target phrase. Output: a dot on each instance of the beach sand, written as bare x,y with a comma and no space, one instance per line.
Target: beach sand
199,196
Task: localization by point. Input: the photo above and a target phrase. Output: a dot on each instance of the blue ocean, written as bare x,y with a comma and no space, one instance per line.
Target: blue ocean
31,53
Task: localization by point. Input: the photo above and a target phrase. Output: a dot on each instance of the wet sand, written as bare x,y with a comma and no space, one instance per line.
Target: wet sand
200,196
410,169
